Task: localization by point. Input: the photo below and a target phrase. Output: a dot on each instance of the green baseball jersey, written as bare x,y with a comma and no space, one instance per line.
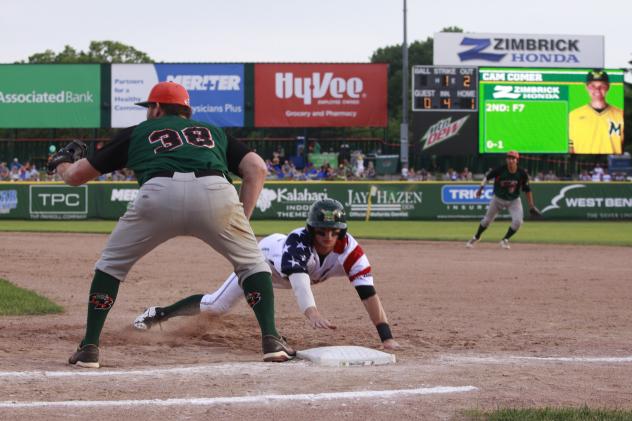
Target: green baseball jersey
174,143
169,143
507,185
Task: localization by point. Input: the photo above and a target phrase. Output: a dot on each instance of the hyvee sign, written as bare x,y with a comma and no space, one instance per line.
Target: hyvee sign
318,95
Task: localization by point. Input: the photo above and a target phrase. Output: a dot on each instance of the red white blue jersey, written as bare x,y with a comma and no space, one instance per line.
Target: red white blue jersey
293,253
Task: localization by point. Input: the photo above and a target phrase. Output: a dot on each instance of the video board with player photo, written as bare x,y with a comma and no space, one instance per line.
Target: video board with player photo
577,111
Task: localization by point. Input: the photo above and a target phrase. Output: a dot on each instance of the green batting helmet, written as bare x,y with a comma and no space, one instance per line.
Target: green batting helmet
327,213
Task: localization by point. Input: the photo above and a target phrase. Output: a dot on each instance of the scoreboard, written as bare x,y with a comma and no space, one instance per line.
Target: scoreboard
531,110
444,88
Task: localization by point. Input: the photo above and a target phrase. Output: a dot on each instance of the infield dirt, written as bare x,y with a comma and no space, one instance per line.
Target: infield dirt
464,318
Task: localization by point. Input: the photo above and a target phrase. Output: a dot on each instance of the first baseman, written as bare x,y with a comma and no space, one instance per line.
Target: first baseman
310,255
509,180
182,168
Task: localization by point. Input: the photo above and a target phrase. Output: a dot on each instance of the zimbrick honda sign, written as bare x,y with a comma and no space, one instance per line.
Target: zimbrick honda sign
320,95
518,50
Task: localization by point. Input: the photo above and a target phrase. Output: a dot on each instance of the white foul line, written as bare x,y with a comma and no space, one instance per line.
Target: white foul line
514,359
232,368
243,399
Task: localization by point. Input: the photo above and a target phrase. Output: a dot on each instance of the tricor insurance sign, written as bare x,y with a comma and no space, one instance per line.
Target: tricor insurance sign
550,111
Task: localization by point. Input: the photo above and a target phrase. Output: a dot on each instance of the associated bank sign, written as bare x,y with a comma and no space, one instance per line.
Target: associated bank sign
451,48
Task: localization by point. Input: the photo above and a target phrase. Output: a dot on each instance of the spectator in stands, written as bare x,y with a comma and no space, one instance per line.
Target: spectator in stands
313,147
25,172
451,175
466,174
550,176
287,170
598,170
340,173
369,173
359,165
35,175
14,174
4,171
15,164
596,176
346,169
606,177
584,176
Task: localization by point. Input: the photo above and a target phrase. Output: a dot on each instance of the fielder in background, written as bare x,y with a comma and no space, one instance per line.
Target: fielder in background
597,127
321,250
182,168
509,180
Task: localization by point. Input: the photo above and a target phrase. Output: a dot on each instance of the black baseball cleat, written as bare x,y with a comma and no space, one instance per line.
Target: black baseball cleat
86,356
276,350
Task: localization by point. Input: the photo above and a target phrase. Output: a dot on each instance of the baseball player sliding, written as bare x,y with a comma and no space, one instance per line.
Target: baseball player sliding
321,250
509,180
181,166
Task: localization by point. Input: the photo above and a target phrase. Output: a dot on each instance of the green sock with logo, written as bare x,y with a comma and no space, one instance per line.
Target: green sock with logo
102,296
260,297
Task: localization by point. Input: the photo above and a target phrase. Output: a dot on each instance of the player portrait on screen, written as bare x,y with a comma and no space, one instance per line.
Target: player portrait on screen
597,127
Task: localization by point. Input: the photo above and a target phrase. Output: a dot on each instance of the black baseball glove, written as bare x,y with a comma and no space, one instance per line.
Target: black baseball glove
535,212
72,152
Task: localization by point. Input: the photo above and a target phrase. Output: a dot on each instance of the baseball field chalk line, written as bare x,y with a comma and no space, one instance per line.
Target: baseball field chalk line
516,359
233,368
244,399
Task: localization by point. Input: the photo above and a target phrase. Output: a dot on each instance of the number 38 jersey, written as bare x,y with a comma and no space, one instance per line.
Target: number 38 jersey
293,253
169,143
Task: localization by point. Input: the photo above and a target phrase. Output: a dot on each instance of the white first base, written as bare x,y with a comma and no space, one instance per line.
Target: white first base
346,356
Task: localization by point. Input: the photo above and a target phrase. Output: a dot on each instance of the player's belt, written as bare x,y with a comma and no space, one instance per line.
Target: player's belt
198,173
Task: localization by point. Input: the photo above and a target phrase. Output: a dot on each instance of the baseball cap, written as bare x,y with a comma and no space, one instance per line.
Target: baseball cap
597,75
167,93
515,154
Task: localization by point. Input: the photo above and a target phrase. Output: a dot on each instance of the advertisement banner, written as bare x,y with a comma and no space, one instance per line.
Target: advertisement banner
320,95
518,50
550,111
50,96
216,91
58,202
362,200
445,133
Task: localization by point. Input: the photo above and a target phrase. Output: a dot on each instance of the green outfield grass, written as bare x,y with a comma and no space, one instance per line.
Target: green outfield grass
550,414
548,232
17,301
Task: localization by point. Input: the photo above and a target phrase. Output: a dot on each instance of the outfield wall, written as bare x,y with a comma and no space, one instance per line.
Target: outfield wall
362,200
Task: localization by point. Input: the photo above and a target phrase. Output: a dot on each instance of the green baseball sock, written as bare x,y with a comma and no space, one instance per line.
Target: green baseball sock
102,296
260,297
479,231
510,232
189,306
